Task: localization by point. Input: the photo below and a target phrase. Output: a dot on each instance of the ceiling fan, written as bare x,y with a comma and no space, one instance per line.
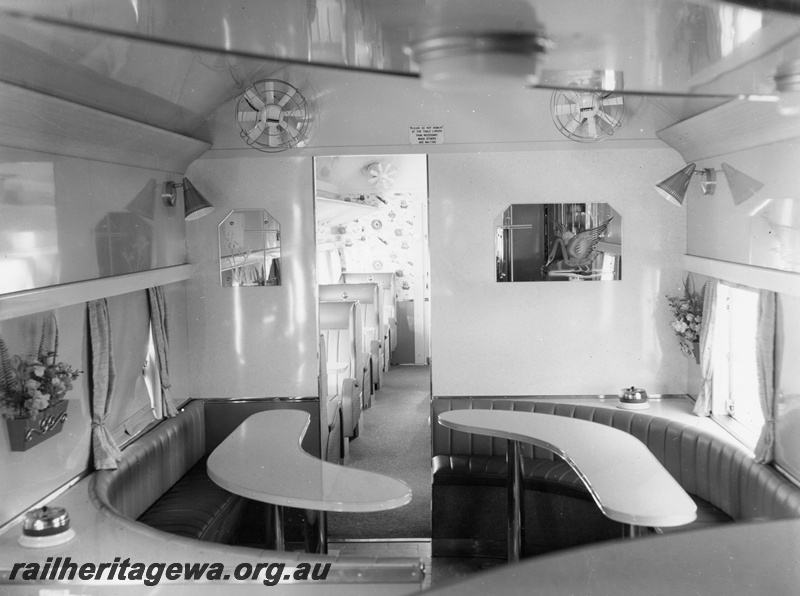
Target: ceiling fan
381,176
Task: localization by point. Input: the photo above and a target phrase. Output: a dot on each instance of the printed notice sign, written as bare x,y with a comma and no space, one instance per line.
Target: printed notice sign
426,135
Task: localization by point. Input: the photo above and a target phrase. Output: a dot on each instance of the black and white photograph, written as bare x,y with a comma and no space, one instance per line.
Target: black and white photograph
447,297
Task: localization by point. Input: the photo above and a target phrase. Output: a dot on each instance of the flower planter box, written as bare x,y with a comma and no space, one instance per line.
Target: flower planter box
24,433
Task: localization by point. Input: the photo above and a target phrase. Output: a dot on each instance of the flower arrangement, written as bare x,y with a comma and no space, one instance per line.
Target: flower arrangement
688,312
28,386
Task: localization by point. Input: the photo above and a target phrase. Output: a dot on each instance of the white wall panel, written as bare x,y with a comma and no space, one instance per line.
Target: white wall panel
30,475
254,341
492,338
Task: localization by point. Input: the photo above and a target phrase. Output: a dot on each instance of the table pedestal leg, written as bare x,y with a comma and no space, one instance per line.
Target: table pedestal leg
275,526
633,531
316,532
516,494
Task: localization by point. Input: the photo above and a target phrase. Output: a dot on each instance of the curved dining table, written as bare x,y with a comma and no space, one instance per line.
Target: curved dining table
626,481
262,459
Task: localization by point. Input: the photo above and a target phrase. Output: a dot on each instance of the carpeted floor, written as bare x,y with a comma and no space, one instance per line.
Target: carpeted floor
395,440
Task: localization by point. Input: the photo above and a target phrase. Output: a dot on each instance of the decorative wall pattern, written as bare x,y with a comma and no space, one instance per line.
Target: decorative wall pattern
385,240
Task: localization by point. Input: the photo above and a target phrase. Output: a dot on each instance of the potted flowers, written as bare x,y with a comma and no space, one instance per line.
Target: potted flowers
687,311
32,395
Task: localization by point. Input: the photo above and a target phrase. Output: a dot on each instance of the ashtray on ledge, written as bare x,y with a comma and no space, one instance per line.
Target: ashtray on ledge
633,398
45,527
633,406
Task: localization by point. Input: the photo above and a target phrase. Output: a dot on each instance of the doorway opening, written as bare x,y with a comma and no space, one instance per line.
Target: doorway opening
372,217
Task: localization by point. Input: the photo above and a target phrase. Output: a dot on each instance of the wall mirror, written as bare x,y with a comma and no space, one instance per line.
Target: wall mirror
249,249
558,242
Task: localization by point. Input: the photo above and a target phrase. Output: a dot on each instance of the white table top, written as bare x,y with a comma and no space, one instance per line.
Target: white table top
263,460
625,479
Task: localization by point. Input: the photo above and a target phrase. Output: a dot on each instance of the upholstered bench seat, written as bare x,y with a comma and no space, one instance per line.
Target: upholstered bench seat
159,501
469,479
707,516
195,507
554,476
491,470
161,481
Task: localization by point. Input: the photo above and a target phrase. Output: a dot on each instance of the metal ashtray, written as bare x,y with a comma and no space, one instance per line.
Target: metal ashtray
633,398
46,526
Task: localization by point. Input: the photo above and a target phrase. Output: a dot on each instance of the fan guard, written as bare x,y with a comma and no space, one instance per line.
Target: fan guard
587,116
273,116
381,175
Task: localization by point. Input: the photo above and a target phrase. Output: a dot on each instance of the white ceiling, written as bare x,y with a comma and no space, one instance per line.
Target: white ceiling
173,64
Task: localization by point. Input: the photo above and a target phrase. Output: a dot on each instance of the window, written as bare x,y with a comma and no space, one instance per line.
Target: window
136,402
735,382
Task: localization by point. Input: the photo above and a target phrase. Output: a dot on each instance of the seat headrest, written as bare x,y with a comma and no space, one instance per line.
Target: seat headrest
385,279
336,315
366,292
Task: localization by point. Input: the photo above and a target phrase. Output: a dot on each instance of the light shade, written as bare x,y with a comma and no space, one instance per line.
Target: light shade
195,205
741,185
674,188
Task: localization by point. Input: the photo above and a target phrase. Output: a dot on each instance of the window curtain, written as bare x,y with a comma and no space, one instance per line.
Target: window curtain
159,321
702,406
105,449
765,364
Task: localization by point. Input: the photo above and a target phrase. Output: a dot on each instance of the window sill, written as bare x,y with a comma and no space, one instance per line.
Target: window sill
677,407
737,430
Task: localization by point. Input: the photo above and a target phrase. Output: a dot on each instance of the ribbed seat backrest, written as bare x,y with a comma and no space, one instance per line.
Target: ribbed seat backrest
718,471
153,463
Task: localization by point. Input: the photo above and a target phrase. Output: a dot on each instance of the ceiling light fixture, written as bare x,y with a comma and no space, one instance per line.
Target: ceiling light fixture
195,205
463,51
741,185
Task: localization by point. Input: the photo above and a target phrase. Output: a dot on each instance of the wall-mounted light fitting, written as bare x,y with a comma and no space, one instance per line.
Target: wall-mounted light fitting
195,205
741,185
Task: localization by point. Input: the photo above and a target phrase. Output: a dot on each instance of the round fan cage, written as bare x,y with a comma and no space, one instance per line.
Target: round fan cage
587,116
274,116
382,176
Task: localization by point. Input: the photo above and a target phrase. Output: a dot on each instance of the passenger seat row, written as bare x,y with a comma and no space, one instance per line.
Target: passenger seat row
358,332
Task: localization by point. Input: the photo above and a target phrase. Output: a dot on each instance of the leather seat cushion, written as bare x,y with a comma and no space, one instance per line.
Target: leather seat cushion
708,516
195,507
544,475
